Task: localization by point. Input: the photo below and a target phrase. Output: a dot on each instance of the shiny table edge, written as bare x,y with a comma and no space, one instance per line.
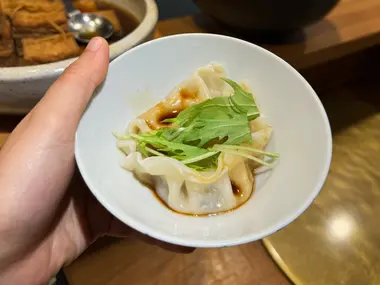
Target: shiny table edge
280,262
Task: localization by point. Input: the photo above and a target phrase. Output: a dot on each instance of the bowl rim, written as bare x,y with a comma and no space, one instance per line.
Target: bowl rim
201,243
49,70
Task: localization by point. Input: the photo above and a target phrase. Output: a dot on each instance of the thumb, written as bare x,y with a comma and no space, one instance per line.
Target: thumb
69,95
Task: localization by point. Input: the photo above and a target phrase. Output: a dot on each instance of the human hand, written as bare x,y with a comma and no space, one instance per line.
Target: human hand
42,225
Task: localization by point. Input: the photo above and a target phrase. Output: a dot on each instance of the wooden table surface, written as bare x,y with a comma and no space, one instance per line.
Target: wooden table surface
312,249
137,263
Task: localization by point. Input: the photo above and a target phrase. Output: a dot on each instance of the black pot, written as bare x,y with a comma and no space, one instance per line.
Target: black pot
266,16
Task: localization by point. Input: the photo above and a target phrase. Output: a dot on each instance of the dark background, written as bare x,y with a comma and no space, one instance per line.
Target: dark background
176,8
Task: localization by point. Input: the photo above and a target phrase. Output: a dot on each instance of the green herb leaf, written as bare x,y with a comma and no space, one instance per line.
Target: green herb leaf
194,157
217,119
201,132
219,107
177,150
243,100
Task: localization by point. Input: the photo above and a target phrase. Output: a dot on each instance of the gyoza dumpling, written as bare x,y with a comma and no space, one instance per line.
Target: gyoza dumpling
191,190
240,169
204,84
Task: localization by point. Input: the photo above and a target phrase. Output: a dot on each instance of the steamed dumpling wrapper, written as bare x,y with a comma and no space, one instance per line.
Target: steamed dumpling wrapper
204,84
182,188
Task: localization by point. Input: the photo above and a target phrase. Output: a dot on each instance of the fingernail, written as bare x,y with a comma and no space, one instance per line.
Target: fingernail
94,44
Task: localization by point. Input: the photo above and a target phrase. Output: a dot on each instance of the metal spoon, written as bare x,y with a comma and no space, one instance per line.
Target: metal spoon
85,26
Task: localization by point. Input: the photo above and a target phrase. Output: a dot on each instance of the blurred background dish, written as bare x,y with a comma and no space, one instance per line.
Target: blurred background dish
34,53
266,16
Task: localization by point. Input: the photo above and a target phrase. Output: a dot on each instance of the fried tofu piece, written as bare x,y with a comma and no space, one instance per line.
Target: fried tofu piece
49,49
42,5
5,6
37,17
9,7
39,23
110,15
5,27
6,47
39,5
26,19
40,31
85,5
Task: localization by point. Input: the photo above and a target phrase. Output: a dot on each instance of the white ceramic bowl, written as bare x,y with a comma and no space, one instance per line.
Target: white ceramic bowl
22,87
143,76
